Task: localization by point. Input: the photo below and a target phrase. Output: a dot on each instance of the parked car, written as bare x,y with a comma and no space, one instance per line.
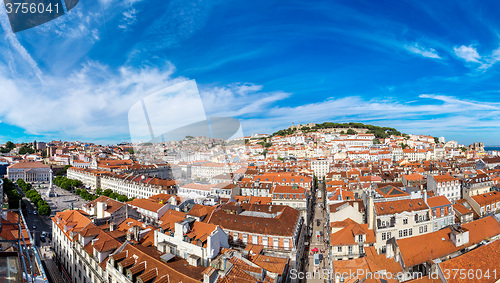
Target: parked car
42,239
316,259
35,212
318,222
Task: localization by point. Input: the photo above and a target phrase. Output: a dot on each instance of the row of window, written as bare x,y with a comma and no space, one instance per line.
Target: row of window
405,232
442,184
289,196
266,241
350,249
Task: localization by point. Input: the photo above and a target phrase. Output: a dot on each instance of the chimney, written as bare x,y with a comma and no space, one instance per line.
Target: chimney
369,213
425,196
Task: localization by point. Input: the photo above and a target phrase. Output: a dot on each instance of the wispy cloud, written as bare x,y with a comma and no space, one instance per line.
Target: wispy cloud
129,18
426,52
16,45
467,53
429,114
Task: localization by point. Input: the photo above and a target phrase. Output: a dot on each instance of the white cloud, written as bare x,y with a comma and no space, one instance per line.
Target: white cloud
442,113
92,104
83,105
426,52
467,53
129,18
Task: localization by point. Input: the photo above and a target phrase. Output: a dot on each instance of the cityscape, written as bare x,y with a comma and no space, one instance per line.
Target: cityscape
329,202
218,141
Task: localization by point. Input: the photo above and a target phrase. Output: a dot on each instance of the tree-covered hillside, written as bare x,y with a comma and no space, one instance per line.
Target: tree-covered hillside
379,132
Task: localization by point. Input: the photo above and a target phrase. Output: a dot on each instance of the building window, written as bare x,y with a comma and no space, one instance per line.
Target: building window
286,243
405,221
349,250
360,238
401,233
383,236
255,240
235,237
275,242
265,241
339,249
410,231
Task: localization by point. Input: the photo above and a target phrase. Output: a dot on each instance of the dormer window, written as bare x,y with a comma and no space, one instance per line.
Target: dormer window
360,238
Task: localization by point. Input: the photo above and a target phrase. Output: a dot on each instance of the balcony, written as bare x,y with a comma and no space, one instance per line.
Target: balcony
422,219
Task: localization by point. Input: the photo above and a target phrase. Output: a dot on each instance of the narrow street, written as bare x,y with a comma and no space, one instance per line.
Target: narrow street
318,241
62,201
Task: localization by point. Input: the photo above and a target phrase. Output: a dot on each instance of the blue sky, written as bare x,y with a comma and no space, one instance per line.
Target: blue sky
423,67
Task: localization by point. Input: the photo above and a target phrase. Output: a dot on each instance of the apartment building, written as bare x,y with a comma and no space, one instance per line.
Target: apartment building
255,188
162,171
225,190
150,211
80,246
91,178
195,241
488,163
477,184
278,229
445,185
104,209
352,209
195,191
263,185
463,212
293,196
398,219
320,167
349,239
484,204
138,186
208,170
442,212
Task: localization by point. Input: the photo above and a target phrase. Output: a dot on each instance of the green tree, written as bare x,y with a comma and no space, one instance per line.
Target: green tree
10,190
36,199
10,145
351,132
131,151
44,210
122,198
26,149
41,203
98,191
